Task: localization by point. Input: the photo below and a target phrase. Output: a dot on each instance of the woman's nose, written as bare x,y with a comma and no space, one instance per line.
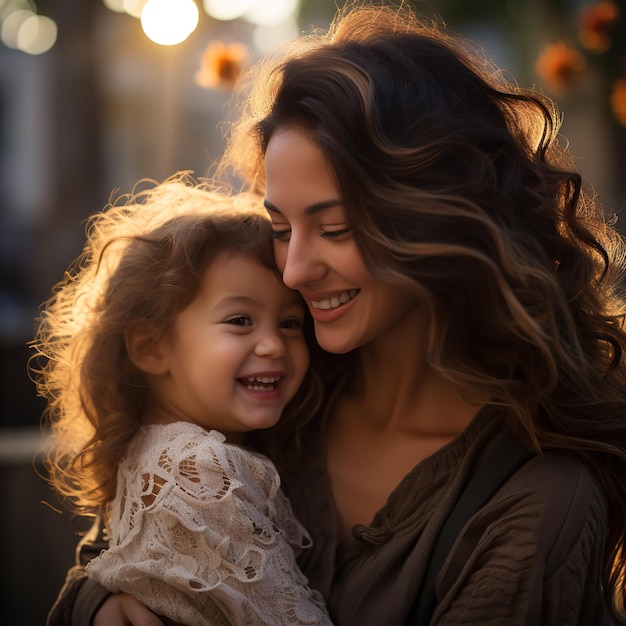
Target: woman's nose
300,263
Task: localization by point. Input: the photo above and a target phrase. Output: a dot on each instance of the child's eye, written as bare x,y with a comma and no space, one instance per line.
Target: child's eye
344,233
239,320
292,323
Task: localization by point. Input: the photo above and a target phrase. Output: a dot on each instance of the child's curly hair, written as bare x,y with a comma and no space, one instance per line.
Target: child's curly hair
142,261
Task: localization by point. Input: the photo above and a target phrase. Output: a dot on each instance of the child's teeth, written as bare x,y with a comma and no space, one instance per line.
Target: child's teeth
264,379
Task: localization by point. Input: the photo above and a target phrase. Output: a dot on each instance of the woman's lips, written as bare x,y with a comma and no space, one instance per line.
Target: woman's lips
331,308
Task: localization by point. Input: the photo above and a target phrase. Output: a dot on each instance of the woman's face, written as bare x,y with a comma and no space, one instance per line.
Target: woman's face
316,251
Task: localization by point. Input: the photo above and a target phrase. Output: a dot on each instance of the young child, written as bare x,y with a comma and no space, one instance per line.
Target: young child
172,336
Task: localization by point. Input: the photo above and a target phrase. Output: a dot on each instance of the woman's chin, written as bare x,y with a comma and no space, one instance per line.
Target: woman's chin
334,343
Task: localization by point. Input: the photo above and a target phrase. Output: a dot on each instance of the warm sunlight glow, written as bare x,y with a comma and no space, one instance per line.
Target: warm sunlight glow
169,22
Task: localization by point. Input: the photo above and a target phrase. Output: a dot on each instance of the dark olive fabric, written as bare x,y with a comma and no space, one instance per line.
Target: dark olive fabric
80,597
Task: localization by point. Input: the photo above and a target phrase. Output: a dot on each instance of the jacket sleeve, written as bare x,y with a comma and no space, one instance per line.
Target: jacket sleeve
80,598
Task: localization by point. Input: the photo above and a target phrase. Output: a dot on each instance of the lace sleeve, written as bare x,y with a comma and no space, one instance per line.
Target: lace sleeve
201,533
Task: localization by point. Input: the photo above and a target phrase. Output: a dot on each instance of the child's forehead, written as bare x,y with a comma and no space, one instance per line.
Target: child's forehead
234,270
250,258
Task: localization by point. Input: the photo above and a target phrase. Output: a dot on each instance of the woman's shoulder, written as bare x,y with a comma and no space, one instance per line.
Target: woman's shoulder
545,527
559,480
553,502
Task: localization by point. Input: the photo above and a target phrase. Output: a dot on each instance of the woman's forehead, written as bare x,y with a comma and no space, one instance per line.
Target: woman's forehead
298,175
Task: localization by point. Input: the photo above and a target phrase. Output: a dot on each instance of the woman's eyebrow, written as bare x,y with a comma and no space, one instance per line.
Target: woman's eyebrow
309,210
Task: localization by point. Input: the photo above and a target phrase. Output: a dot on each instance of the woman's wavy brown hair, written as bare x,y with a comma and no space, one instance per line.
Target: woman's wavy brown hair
142,263
453,180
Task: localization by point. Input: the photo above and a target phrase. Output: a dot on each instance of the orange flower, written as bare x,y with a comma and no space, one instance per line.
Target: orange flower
595,22
618,100
221,65
559,65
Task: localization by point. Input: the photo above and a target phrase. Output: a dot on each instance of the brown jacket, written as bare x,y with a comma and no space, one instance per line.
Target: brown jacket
532,555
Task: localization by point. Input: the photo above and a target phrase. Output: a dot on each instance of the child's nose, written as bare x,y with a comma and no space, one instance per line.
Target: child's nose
271,344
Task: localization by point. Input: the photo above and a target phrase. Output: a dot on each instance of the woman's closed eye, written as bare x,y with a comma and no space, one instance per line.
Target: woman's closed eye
280,233
342,233
283,233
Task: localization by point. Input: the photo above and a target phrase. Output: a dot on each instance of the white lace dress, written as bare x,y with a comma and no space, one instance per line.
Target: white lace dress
200,532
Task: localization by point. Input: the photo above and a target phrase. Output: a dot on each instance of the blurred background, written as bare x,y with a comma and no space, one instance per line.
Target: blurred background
95,95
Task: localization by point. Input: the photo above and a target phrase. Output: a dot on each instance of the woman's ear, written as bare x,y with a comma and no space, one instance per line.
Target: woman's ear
146,344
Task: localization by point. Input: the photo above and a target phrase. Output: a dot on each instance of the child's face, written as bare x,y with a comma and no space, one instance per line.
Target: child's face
237,352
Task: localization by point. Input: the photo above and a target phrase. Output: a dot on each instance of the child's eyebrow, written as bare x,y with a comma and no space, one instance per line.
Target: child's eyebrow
248,300
309,210
236,299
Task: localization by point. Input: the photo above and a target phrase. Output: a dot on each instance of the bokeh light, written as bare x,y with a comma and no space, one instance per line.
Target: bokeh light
169,22
134,7
256,11
115,5
226,10
11,26
37,34
271,13
8,6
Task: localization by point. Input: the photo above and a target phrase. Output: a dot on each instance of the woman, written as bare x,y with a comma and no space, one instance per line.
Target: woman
465,289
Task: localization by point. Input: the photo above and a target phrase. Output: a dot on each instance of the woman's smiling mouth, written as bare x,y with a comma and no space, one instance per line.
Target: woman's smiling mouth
334,301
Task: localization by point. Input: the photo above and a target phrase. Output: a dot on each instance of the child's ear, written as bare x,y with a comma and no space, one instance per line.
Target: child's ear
146,347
